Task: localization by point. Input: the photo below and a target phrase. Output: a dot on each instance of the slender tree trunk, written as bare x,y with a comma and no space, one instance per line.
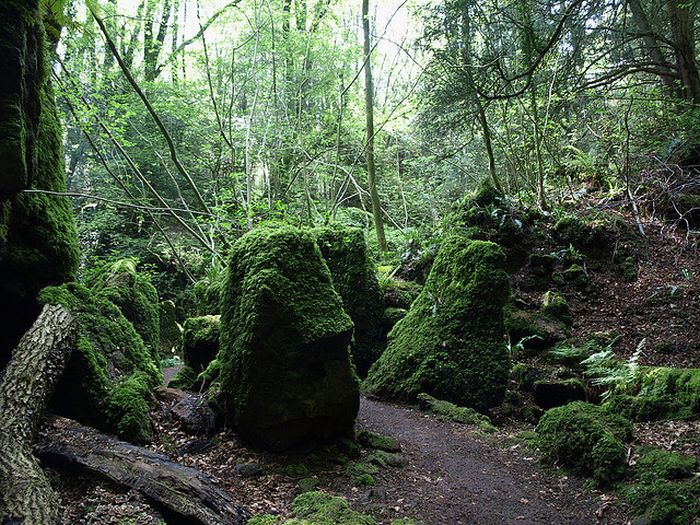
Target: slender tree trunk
684,48
369,113
486,132
28,381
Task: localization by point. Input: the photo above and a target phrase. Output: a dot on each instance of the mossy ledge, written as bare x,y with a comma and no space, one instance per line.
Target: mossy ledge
450,344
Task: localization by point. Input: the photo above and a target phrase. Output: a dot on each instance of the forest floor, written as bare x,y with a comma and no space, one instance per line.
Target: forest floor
454,474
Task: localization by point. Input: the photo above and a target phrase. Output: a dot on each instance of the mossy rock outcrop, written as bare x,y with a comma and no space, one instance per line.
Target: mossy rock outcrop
132,291
39,245
286,374
585,438
451,343
354,278
110,376
200,341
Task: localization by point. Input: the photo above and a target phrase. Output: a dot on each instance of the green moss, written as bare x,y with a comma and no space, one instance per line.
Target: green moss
286,373
450,344
659,393
585,438
208,292
111,365
399,293
555,306
666,503
320,508
355,279
185,379
136,297
450,412
128,405
200,341
657,464
577,276
377,441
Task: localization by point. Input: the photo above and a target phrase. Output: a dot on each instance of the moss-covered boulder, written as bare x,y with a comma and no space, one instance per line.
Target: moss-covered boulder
355,279
132,291
451,343
286,374
200,341
39,245
108,381
399,293
665,502
657,464
585,438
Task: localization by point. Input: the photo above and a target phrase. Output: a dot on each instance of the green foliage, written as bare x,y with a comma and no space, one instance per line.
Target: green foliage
450,412
354,278
285,367
450,344
108,380
585,438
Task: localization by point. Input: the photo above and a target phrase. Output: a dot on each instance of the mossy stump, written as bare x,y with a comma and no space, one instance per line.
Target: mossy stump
286,374
354,278
451,343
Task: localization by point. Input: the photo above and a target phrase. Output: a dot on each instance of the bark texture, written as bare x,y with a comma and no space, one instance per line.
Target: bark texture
26,497
188,494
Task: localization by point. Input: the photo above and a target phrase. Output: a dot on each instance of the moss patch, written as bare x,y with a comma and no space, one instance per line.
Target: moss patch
450,344
665,502
585,438
286,373
355,279
450,412
656,464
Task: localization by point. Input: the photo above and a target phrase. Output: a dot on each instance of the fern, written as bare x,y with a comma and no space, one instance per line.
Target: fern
605,370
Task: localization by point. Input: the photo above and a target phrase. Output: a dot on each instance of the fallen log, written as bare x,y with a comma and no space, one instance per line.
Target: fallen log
187,494
26,497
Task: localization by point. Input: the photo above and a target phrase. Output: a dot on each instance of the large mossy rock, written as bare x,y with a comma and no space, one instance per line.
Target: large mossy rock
355,279
451,343
132,291
38,241
200,341
286,374
585,438
110,376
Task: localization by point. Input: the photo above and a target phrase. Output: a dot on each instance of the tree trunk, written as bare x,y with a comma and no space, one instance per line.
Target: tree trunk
37,363
684,48
186,493
369,113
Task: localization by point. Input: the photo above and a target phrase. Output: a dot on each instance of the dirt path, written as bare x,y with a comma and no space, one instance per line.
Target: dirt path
454,477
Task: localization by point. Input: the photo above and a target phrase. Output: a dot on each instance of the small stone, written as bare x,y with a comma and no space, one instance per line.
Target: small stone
377,441
248,470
